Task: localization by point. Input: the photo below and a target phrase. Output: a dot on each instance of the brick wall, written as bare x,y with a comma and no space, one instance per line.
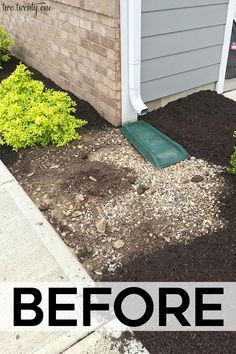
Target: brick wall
76,44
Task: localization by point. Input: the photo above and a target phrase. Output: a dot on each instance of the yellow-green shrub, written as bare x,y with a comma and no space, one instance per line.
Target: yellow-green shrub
232,168
5,43
32,115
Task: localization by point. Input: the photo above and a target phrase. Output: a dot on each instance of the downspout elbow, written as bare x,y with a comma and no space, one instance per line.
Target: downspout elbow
137,102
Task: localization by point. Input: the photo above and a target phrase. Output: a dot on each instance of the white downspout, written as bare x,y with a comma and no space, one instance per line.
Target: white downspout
225,49
134,34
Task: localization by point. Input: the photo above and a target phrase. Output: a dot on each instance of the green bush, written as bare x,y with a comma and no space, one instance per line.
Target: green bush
232,168
5,43
32,115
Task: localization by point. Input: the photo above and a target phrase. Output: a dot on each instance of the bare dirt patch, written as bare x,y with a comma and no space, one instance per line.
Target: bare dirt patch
202,122
98,179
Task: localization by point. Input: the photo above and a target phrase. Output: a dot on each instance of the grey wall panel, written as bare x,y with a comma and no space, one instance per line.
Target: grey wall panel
173,84
182,44
154,5
159,22
173,43
175,64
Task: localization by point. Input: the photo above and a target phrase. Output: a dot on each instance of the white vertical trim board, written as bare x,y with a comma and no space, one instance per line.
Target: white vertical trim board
225,49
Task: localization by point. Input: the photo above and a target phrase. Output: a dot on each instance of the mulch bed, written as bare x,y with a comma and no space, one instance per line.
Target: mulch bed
203,123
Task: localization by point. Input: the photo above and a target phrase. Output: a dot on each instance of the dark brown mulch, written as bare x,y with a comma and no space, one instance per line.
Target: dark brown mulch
8,68
7,155
203,123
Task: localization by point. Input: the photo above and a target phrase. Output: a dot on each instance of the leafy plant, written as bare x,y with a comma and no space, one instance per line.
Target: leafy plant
32,115
5,43
232,168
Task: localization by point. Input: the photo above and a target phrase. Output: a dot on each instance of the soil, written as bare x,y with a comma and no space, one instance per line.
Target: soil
72,186
203,123
98,179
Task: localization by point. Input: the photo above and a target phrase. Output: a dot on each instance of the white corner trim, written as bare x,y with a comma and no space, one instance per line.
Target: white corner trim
226,44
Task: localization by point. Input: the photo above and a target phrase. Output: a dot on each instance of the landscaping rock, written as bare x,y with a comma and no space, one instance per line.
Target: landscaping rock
92,179
119,244
76,214
101,226
80,197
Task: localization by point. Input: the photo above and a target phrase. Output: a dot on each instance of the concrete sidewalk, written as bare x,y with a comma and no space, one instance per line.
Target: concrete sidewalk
30,250
231,95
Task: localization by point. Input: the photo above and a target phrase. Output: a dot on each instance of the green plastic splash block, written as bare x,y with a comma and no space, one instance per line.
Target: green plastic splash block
155,146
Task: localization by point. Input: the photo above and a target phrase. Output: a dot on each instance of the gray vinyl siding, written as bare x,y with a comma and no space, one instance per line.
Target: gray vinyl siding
181,45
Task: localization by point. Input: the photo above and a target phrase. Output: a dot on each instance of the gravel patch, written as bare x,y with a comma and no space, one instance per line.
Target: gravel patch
176,204
132,209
